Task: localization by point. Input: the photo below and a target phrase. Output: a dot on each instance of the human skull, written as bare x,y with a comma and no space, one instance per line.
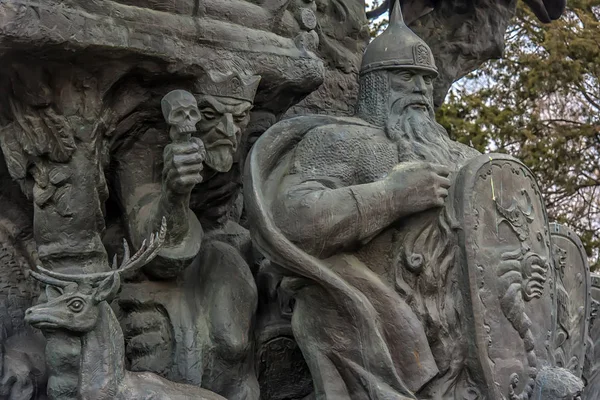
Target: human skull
180,110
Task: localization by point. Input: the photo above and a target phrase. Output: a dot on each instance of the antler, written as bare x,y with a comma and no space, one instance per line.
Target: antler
143,256
48,280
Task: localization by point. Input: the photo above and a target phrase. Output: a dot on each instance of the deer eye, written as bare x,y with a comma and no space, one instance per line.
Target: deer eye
76,305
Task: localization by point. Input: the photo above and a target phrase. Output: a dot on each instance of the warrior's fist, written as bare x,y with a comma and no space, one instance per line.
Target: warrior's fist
418,186
183,165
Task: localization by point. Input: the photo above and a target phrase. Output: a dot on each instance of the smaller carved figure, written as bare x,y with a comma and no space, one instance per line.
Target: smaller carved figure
78,304
189,316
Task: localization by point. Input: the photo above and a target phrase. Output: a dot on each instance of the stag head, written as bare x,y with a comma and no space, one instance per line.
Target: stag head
73,299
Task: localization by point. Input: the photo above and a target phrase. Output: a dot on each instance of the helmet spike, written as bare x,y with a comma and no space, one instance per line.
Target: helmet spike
398,47
396,13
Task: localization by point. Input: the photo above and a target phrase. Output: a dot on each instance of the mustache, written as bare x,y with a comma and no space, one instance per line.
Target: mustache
219,142
406,101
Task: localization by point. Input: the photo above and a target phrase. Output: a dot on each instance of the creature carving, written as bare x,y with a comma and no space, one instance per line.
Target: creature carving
79,305
522,278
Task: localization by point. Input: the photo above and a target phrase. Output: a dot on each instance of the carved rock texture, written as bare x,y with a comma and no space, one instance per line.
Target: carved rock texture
189,41
16,256
557,384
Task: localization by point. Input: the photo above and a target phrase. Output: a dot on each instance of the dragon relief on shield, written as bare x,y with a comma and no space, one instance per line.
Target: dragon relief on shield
522,275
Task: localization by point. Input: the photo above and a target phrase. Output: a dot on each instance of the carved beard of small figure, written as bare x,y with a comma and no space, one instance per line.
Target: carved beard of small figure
221,126
411,124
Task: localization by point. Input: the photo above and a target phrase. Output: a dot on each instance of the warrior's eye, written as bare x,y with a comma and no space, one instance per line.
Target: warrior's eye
427,79
405,76
76,305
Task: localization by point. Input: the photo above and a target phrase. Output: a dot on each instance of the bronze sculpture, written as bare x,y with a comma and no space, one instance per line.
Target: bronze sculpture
382,227
375,217
350,188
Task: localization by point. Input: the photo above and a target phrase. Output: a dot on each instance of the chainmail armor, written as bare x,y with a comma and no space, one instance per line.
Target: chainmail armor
373,94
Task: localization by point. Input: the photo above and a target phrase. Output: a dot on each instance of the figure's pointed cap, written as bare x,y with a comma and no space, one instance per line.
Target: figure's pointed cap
398,47
234,85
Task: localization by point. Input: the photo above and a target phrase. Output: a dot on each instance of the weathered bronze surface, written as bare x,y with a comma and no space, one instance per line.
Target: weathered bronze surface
356,252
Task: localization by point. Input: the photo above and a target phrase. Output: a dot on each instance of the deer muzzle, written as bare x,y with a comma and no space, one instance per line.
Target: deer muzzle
35,317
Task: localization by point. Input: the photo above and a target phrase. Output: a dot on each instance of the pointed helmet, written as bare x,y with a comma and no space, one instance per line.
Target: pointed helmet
398,47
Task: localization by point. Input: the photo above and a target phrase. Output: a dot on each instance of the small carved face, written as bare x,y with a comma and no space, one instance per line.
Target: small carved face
180,110
221,126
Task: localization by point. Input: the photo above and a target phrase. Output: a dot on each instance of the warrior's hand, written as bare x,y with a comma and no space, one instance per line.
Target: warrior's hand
418,186
182,167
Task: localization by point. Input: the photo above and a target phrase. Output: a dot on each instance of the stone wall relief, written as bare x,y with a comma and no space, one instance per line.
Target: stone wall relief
78,305
61,187
189,314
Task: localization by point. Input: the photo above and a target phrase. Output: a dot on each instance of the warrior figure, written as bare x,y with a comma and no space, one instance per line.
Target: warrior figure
353,210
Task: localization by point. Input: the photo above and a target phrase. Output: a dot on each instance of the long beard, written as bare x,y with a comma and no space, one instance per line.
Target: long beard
418,135
219,158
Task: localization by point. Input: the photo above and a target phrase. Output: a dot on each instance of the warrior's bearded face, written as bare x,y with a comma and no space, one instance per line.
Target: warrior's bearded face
413,87
411,116
223,121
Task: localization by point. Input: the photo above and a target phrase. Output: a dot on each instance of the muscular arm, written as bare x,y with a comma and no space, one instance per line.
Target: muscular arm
323,219
324,207
144,203
321,205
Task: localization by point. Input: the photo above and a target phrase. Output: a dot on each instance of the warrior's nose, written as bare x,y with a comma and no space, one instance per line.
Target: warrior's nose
419,84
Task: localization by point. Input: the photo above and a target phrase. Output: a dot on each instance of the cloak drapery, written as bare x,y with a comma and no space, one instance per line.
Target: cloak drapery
359,337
